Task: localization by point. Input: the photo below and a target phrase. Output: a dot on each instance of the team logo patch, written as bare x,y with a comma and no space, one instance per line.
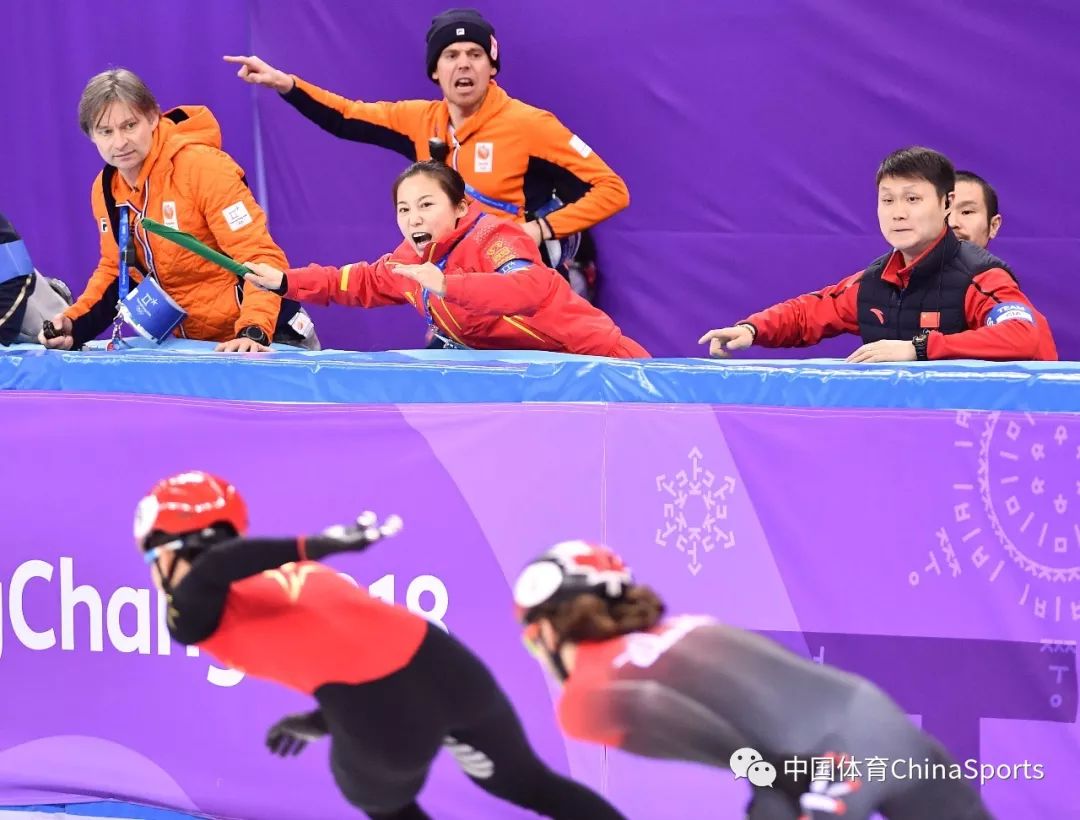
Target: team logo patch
302,324
1009,311
237,216
579,145
598,565
500,253
168,215
483,157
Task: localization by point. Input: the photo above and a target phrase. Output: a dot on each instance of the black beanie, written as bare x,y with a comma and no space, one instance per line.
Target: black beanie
460,26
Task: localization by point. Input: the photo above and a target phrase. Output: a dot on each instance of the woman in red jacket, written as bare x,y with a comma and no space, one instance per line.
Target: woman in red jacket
477,279
392,688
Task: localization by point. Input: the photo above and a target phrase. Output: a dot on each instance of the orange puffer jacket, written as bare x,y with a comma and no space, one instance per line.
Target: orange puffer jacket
189,183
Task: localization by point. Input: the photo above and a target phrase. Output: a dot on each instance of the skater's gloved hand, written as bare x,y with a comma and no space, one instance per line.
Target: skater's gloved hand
359,535
292,733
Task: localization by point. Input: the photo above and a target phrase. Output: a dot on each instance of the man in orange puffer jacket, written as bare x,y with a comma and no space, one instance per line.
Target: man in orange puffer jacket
170,167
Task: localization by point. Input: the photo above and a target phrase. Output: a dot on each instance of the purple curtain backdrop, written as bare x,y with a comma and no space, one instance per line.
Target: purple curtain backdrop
748,133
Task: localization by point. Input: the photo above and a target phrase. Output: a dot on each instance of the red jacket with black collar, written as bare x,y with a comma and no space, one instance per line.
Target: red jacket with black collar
968,299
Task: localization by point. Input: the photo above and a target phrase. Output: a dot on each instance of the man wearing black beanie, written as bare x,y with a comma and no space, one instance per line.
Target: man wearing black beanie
460,26
517,160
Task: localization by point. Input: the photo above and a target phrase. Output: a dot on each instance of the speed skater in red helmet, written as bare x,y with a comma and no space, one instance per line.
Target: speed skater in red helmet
392,689
690,688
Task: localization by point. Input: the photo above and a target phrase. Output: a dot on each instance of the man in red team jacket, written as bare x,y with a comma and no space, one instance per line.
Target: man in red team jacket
931,297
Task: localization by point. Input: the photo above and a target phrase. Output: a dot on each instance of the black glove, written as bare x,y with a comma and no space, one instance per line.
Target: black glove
353,537
292,733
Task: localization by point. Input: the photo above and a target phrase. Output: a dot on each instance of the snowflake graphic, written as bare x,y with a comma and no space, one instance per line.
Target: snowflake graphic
695,504
1011,512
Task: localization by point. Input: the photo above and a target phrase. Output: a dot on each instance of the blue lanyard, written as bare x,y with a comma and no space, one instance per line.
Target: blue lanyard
491,201
127,254
124,240
441,265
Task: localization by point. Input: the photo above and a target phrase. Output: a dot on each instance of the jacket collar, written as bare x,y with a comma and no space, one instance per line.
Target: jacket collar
176,128
929,263
494,101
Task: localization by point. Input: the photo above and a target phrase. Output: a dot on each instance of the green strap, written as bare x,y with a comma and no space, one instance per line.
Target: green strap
186,240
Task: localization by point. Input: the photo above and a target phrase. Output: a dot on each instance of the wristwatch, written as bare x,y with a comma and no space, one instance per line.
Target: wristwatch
255,333
920,345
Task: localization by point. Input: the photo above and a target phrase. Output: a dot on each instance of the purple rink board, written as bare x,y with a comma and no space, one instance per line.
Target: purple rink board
936,552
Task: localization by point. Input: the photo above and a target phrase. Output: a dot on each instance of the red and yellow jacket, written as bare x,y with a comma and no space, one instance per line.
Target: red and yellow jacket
994,321
499,295
186,182
506,151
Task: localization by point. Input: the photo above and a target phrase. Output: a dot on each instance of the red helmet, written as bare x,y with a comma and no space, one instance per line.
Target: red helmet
189,502
567,570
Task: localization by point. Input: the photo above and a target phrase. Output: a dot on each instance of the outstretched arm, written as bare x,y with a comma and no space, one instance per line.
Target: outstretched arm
197,602
360,284
241,558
